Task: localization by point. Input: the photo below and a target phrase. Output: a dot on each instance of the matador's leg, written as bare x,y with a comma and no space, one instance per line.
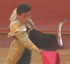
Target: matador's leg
15,52
25,58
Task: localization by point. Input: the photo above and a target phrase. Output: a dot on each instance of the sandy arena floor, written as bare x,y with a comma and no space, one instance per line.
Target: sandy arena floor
36,58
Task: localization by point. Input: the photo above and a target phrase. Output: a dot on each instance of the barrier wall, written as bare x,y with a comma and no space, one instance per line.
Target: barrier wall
46,14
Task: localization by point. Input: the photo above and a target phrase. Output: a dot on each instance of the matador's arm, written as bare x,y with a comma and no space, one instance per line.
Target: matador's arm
23,37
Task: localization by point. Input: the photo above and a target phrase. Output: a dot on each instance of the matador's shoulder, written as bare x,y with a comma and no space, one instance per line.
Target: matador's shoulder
16,26
14,23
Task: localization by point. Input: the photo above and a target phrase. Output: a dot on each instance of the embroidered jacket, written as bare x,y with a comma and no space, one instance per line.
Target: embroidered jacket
21,41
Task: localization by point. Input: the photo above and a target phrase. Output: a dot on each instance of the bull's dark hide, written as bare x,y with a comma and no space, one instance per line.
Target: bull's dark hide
44,41
41,40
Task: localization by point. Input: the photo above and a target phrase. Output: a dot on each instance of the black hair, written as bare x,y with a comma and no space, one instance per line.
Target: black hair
23,8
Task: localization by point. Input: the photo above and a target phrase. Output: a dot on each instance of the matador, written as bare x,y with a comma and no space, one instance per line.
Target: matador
18,30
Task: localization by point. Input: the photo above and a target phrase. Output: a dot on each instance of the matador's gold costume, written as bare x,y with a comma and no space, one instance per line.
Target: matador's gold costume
21,41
